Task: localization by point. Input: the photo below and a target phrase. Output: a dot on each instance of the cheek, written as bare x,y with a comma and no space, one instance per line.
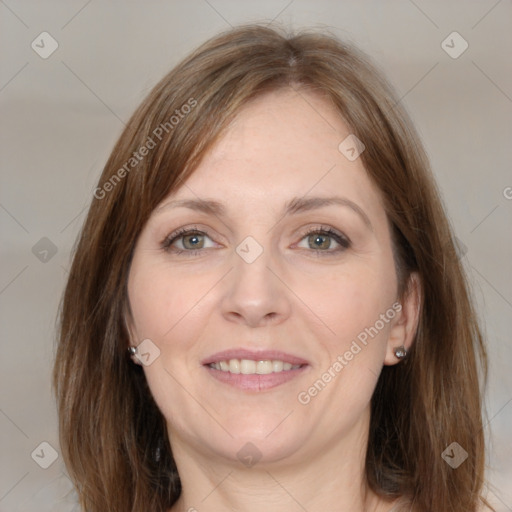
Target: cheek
351,305
352,300
167,308
161,299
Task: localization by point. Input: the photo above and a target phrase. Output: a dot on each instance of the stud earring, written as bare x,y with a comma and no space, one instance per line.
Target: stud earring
132,350
400,352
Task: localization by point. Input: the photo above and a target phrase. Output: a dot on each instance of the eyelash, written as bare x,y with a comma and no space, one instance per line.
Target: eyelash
342,240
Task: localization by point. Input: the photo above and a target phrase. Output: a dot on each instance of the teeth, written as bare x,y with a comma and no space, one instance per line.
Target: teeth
234,366
250,367
247,367
277,366
264,367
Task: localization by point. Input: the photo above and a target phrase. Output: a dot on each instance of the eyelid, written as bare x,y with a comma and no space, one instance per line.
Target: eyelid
323,228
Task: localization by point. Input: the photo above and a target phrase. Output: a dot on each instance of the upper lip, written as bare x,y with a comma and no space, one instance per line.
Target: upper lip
255,355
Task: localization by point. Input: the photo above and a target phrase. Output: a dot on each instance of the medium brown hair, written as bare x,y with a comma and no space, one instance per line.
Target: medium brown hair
113,436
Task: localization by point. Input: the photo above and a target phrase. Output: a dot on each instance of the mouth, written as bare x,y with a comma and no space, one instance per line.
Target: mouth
251,367
254,371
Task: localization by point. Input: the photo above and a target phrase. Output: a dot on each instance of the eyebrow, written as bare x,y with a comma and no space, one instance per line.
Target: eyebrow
294,206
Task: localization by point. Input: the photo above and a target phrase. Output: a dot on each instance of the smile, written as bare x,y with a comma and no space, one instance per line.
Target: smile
251,367
254,370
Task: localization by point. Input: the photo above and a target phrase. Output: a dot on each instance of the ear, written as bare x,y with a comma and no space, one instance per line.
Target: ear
406,321
130,330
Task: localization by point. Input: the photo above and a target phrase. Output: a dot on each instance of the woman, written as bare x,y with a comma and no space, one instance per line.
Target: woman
265,306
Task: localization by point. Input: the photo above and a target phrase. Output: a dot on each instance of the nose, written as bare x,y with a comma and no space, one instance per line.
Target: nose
255,294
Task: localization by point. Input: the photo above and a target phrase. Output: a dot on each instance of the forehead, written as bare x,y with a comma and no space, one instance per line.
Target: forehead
287,127
282,144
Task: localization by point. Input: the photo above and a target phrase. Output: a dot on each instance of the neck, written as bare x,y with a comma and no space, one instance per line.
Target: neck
331,479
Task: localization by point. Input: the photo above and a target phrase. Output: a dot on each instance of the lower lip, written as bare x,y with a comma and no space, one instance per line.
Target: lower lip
255,382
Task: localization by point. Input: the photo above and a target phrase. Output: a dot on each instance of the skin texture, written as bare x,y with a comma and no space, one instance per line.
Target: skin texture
292,298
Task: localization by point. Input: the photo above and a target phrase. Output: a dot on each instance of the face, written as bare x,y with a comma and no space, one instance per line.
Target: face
275,253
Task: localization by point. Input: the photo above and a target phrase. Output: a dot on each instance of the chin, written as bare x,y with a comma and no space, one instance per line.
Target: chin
263,441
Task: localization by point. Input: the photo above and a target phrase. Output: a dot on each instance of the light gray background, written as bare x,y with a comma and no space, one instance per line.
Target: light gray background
61,116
